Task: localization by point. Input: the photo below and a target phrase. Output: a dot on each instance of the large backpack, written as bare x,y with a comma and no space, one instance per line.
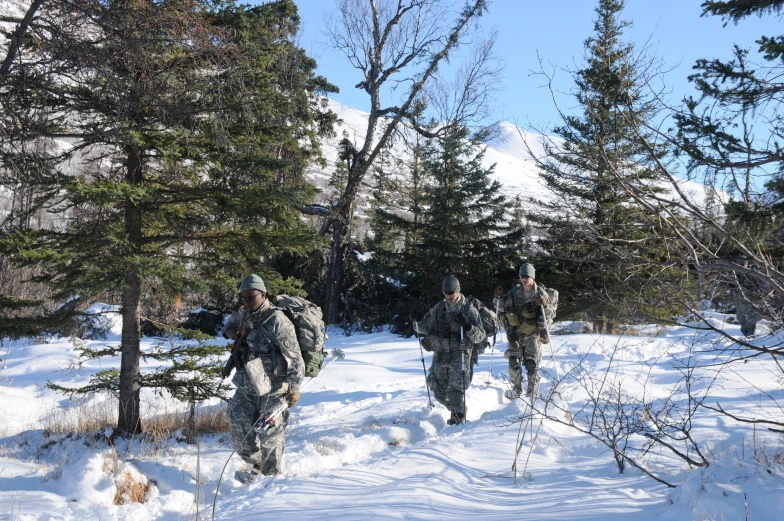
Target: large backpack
487,315
309,325
552,306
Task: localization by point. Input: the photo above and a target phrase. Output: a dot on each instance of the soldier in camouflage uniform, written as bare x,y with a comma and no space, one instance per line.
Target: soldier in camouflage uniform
520,312
451,329
265,333
749,294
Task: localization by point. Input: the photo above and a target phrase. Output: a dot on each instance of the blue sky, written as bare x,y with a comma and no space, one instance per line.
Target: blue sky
557,30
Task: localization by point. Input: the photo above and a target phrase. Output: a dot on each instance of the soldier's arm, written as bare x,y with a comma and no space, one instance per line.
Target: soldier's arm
542,298
426,324
477,332
286,338
233,327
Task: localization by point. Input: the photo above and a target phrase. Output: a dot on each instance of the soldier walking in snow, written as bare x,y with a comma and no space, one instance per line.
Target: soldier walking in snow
269,372
521,313
451,329
748,293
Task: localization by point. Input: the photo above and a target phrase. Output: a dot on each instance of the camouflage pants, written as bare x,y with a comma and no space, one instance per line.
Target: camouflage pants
244,409
747,316
475,352
523,349
447,381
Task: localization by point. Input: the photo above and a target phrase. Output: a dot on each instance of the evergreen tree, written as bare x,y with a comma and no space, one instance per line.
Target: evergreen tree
731,135
187,131
597,244
459,226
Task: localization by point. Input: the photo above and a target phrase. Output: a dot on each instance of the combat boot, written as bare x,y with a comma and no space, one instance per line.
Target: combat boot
456,419
248,476
531,389
514,392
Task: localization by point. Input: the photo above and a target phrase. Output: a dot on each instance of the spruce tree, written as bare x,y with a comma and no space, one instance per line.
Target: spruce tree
187,129
596,243
731,135
460,225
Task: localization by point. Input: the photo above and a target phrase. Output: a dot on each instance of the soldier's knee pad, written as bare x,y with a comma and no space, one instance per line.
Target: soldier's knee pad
514,361
530,366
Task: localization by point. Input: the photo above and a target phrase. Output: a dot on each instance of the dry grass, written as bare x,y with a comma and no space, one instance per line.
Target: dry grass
86,416
212,420
129,490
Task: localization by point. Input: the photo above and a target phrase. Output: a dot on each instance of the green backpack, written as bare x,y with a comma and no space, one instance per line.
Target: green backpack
309,325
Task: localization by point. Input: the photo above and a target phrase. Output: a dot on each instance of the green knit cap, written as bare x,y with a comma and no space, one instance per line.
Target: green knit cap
253,282
450,284
527,270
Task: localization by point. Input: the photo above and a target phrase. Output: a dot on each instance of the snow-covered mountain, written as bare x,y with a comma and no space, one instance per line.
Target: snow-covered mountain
508,150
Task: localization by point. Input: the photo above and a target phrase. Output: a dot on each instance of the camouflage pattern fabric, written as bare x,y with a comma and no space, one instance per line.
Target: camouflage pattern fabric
522,348
442,335
523,332
244,409
274,341
747,315
477,350
748,295
446,380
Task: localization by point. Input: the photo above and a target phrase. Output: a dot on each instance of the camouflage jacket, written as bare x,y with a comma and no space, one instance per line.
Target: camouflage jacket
273,339
443,333
520,314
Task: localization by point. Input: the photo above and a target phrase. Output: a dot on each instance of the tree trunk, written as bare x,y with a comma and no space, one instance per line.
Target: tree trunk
335,273
129,421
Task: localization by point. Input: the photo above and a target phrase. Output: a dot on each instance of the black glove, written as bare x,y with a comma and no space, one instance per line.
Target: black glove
415,315
463,321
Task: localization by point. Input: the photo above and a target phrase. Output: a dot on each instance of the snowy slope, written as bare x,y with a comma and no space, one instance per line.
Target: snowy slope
363,444
510,150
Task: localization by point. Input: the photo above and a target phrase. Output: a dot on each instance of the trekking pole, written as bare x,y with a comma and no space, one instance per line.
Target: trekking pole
462,367
422,354
550,340
269,421
492,349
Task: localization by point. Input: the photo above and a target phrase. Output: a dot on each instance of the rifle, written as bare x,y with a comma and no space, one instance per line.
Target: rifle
235,358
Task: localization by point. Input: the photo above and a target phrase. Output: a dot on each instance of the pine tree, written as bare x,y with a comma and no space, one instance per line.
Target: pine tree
731,135
187,129
459,224
597,243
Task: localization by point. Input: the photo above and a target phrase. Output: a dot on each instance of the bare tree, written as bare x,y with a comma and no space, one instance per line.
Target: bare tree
395,44
15,42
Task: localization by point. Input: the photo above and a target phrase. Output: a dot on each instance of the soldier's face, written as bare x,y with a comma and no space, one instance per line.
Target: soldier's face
527,282
252,299
452,297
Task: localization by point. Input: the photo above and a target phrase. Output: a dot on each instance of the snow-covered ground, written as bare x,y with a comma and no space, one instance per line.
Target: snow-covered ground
363,444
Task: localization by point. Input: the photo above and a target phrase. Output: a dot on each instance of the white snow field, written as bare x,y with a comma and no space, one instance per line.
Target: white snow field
363,444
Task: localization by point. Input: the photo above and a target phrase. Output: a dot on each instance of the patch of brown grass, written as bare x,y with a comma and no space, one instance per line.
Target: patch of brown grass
208,421
129,490
84,417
